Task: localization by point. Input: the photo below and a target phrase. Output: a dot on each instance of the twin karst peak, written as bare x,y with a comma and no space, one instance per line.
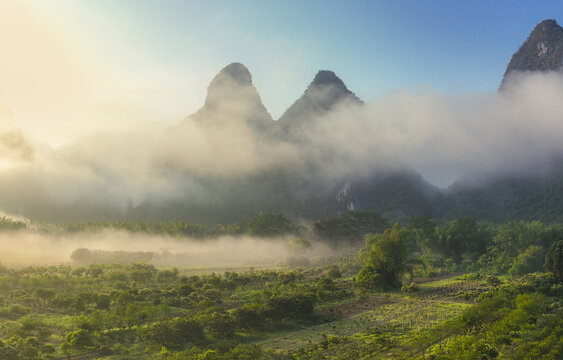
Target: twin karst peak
231,96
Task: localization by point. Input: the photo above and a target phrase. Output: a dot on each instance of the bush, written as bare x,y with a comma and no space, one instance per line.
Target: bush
369,279
295,307
531,260
79,339
244,352
81,255
269,224
174,333
410,287
492,280
334,273
220,325
247,318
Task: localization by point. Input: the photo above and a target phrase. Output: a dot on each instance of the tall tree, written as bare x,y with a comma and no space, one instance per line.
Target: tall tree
387,254
554,260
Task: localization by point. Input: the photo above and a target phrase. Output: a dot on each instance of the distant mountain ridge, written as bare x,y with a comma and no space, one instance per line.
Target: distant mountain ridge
301,192
402,193
233,101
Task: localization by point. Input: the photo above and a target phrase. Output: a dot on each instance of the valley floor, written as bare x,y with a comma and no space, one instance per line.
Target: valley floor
137,311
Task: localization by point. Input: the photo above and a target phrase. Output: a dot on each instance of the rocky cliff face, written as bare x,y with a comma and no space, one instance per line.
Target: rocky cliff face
542,51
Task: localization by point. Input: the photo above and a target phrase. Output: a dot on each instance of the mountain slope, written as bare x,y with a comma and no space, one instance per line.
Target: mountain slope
396,194
506,198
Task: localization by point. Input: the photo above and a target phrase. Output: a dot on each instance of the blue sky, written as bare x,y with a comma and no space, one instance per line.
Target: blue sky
162,54
375,46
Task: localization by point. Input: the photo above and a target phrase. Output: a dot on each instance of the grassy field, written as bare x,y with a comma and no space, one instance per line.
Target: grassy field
394,314
138,311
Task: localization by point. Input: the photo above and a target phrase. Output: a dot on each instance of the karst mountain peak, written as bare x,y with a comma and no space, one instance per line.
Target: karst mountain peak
232,96
325,93
541,51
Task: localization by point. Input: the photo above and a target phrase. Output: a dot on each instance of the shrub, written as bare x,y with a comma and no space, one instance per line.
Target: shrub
368,279
409,287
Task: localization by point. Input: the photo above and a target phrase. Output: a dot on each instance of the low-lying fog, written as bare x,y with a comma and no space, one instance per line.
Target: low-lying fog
29,247
444,137
441,136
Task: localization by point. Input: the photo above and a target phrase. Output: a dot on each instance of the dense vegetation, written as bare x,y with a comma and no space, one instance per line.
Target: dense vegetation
264,225
421,289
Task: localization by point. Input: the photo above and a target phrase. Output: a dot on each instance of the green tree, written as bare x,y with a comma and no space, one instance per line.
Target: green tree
45,294
268,224
530,260
48,349
221,325
7,224
167,275
368,278
29,349
66,348
209,355
334,272
350,226
294,306
462,236
81,255
424,232
79,339
298,246
387,255
554,260
244,352
247,318
174,333
326,288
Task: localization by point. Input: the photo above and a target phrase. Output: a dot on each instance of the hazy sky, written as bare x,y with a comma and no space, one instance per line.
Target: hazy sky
70,67
90,92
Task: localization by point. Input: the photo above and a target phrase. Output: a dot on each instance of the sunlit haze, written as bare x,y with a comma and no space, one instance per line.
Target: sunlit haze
72,67
281,179
95,95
